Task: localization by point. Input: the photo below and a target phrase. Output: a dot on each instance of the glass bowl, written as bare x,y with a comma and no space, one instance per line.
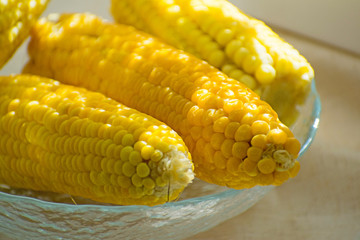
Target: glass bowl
201,206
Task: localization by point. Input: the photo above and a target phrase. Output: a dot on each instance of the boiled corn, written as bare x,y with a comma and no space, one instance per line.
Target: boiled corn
65,139
242,47
16,19
235,138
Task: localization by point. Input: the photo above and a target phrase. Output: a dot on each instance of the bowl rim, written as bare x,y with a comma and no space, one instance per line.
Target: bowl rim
131,208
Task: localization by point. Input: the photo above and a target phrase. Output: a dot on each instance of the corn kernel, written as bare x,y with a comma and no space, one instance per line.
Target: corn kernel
266,165
260,127
239,149
277,136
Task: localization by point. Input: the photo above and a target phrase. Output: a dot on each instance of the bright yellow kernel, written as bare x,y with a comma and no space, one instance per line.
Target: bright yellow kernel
265,74
240,56
293,146
224,36
254,153
231,129
216,140
248,118
128,140
219,160
142,170
135,158
128,169
147,151
163,146
243,133
148,183
259,141
239,149
231,105
226,147
277,136
156,156
220,124
125,153
260,127
266,165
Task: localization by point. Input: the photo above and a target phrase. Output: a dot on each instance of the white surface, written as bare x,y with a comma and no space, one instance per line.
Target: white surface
331,21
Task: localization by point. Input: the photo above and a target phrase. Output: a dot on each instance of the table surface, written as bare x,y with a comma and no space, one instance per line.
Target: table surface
323,201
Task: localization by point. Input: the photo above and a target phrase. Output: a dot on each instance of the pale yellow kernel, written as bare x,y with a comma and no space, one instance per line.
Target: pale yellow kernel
224,36
196,132
249,167
220,124
236,74
147,151
231,129
243,133
118,136
293,146
254,153
266,165
118,167
217,58
124,182
265,74
240,55
128,140
135,158
161,182
139,145
227,68
248,80
162,146
216,140
125,153
260,127
143,170
239,149
128,169
266,179
209,153
233,164
277,136
219,160
148,183
250,63
281,177
136,180
156,156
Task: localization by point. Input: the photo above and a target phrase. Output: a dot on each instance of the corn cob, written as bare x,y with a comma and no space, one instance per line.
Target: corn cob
16,18
66,139
244,48
235,138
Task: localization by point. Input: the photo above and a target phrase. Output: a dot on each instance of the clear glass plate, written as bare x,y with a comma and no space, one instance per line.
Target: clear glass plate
201,206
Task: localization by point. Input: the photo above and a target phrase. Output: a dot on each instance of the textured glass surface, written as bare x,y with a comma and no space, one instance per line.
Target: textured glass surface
201,206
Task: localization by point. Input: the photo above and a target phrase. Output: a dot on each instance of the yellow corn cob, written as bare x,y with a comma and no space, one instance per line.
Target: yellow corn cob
16,19
66,139
235,138
242,47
